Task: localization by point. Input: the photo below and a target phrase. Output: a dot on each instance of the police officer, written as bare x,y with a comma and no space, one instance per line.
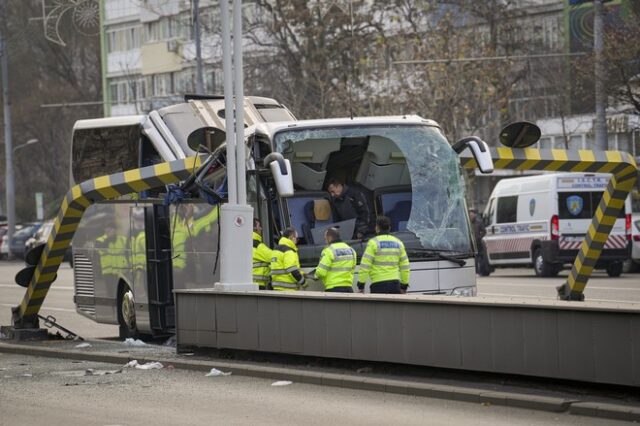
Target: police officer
285,264
384,262
261,257
337,264
349,203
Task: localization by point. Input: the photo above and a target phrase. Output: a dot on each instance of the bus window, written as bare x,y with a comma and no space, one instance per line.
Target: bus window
104,151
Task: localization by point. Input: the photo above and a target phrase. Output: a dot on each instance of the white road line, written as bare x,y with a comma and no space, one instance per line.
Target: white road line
53,287
551,285
44,309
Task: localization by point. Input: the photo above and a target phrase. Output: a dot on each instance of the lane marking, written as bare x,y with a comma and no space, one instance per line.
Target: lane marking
53,287
44,309
550,286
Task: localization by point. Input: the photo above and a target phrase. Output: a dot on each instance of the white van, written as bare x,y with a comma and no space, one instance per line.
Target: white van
542,221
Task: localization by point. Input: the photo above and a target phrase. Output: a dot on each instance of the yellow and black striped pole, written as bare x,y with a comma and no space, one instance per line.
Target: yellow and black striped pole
623,169
73,206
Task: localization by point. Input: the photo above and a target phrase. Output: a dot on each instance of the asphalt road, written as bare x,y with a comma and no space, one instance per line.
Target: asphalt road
58,392
524,283
59,302
509,283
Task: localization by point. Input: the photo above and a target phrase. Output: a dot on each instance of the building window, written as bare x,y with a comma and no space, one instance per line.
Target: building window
163,84
123,39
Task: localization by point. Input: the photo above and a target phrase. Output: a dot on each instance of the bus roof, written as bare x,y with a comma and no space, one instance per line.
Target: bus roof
272,128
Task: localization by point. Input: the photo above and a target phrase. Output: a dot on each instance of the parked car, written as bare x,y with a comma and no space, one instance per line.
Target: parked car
41,236
4,240
4,247
633,265
17,243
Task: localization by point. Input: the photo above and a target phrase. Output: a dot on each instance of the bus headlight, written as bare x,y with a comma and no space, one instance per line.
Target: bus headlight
464,291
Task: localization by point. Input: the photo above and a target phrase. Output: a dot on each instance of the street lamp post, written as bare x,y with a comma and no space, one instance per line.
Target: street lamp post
10,188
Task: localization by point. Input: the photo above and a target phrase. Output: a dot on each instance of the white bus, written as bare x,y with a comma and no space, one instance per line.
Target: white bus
130,253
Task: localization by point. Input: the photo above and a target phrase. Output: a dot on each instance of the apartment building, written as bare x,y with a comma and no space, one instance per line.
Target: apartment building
148,52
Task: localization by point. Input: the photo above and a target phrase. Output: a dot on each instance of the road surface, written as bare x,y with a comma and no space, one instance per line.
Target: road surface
58,392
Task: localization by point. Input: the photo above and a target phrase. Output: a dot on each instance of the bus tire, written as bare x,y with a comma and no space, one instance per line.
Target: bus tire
126,312
614,269
541,267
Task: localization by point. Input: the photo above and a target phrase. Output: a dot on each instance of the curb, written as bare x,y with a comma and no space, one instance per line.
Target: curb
430,390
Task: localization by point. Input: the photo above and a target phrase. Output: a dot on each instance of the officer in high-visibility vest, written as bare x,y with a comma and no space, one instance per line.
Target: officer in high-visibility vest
337,264
285,264
384,262
261,257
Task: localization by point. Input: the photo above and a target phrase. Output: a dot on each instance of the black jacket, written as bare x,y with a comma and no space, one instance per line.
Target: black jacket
353,204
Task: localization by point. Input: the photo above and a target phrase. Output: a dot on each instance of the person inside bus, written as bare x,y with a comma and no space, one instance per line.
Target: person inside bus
285,264
349,203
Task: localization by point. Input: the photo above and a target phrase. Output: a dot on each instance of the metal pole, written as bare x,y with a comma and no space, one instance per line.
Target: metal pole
8,146
228,102
196,24
600,124
239,95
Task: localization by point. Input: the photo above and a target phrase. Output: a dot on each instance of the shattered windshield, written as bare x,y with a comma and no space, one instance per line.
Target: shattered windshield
436,216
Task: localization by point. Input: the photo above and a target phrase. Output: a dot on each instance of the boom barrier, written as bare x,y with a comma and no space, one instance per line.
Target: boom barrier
624,172
77,200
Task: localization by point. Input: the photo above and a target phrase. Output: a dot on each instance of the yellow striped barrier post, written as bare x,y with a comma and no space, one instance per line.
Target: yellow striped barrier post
623,169
77,200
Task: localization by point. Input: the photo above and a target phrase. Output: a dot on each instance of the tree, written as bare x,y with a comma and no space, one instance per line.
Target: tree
42,72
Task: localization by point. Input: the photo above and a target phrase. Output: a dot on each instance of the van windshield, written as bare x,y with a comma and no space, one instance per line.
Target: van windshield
409,173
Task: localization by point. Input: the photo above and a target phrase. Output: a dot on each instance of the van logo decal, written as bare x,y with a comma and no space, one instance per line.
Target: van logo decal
532,206
575,204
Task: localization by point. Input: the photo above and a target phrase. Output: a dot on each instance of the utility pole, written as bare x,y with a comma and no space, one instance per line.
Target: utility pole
8,145
196,25
600,123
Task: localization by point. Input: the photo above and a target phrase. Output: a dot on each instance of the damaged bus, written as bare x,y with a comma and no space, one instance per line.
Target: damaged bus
130,253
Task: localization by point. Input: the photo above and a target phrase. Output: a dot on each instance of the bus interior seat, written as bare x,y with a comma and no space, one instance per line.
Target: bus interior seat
302,213
396,206
318,213
309,160
383,165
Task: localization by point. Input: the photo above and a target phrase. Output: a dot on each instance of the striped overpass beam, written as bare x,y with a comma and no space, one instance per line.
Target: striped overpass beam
73,207
624,172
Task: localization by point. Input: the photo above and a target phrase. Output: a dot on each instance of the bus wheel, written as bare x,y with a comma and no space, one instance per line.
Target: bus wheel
127,313
614,269
543,268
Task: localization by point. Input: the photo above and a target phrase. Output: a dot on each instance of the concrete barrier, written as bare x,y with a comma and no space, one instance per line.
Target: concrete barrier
585,341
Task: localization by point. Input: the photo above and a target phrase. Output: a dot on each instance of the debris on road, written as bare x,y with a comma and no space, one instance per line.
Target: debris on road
92,372
148,366
27,375
171,341
134,342
282,383
82,345
364,370
216,373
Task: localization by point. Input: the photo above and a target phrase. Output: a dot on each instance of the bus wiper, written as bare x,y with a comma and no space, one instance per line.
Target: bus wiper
439,255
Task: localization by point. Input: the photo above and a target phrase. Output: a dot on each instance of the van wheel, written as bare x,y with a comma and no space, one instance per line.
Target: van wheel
543,268
127,313
614,269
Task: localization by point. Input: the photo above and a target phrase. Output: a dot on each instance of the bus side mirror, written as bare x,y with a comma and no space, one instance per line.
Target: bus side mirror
480,151
281,172
520,134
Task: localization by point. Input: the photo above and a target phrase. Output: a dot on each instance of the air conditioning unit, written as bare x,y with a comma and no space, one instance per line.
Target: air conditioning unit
173,46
